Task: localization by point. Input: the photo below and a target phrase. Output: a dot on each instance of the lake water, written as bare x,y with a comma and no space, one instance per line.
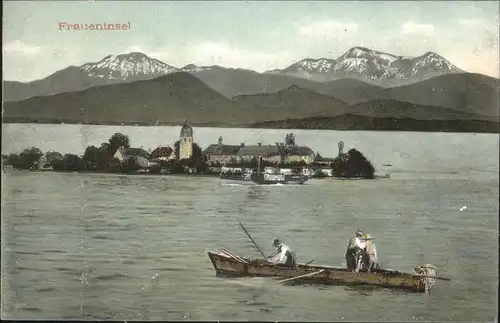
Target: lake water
88,246
414,151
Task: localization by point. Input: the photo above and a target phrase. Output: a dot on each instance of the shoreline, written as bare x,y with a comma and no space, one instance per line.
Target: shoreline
13,170
260,127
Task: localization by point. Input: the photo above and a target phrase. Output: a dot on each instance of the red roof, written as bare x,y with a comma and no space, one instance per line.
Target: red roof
161,152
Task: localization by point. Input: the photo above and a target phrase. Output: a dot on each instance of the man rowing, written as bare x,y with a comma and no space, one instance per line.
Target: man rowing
355,250
283,255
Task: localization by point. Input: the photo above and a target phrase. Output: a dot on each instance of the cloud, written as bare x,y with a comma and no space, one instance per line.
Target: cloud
18,47
475,60
477,22
487,27
411,28
214,53
327,28
469,21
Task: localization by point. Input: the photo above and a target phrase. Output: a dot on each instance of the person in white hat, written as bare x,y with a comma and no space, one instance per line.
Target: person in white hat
371,260
355,251
283,255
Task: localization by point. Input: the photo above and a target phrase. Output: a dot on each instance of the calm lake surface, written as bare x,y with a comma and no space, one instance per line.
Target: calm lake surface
88,246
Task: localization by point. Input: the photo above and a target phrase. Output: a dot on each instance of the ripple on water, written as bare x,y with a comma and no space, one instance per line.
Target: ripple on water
20,268
46,289
102,237
111,276
27,253
53,251
68,270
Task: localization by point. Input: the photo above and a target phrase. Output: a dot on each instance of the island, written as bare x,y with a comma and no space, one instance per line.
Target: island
186,157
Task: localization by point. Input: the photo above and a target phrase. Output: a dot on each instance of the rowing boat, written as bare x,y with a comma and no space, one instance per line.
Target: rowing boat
228,264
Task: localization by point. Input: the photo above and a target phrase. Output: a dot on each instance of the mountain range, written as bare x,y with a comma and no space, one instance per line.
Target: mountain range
136,89
360,63
371,65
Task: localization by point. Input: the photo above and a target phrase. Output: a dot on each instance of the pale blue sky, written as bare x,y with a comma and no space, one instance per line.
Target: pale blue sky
257,35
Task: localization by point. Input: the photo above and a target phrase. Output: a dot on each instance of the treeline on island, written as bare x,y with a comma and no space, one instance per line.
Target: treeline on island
352,165
102,159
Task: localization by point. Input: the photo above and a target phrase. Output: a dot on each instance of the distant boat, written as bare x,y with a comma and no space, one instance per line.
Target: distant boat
274,175
269,177
286,179
387,165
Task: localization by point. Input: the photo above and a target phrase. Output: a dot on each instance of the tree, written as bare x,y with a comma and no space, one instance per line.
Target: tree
113,165
338,167
70,162
11,159
290,139
95,158
356,165
118,140
28,158
130,165
177,148
176,166
106,147
53,155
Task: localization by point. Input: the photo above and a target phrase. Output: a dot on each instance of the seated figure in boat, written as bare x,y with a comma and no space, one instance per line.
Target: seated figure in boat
355,251
283,255
370,254
429,272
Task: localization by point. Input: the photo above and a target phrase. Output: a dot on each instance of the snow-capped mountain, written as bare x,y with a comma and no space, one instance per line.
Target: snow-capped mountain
127,67
307,67
432,62
367,64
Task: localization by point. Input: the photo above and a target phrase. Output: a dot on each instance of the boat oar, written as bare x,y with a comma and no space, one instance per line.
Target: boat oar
308,263
438,278
423,276
254,243
301,276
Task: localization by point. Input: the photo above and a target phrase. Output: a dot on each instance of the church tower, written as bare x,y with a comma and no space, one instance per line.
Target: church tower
186,141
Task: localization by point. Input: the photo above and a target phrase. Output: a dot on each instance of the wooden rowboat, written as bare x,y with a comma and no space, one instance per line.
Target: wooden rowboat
228,264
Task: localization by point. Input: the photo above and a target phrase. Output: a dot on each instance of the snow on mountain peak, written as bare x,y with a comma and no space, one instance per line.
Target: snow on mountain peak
370,64
126,66
432,61
312,65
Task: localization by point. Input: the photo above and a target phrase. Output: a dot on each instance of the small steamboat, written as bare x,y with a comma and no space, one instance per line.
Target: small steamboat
270,176
274,175
277,178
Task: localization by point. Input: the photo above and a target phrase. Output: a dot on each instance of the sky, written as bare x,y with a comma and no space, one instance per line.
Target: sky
260,35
